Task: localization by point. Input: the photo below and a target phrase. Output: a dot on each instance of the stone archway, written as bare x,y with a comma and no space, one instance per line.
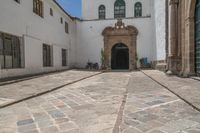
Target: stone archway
120,34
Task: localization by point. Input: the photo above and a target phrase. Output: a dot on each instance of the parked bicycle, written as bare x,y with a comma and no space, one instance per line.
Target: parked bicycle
92,66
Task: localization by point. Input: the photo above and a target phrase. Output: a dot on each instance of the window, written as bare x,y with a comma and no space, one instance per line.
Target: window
64,57
10,56
61,20
47,60
138,9
38,7
18,1
51,11
102,12
66,27
119,9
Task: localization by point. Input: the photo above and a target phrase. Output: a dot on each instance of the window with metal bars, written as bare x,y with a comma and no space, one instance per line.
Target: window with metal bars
61,20
10,54
38,7
119,9
102,12
47,52
51,11
66,27
64,57
138,9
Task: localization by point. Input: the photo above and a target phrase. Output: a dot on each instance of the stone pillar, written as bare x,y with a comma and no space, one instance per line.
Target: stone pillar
189,39
173,35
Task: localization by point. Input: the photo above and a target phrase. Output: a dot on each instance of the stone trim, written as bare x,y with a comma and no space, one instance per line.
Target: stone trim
120,34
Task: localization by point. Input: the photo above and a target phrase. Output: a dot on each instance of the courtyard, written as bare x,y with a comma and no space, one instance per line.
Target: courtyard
93,102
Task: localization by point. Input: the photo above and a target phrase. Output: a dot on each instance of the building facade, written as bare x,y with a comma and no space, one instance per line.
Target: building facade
141,32
184,35
35,37
38,36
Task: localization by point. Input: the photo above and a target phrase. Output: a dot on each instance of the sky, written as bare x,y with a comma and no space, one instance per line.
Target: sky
73,7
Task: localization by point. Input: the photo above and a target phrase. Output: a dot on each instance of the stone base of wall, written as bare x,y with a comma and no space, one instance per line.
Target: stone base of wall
159,65
175,64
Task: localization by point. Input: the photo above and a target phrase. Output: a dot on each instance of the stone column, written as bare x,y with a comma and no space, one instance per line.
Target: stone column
173,34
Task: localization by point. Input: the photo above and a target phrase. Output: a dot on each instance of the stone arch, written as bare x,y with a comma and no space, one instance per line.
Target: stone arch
120,34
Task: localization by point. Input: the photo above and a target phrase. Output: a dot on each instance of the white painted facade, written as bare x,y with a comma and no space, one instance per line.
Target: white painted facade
19,20
84,41
151,28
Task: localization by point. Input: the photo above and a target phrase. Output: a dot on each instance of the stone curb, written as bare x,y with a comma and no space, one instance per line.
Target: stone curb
29,77
185,100
47,91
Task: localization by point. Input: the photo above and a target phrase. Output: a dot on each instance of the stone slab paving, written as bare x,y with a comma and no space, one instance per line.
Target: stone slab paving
187,88
152,109
89,106
92,106
16,91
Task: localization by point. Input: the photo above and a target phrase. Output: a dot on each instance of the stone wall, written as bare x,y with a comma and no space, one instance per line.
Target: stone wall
181,55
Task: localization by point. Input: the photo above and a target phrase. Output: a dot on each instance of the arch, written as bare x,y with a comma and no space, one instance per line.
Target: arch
138,9
102,12
120,34
120,56
119,9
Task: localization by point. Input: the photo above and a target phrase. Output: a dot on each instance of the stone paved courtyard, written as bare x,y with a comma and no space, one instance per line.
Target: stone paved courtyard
114,102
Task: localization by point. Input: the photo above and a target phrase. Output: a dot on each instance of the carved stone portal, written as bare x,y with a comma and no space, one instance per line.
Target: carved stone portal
120,34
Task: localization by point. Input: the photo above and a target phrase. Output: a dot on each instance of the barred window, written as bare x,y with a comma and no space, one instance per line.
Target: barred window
138,9
10,55
102,12
51,11
64,57
61,20
47,52
120,9
38,7
66,27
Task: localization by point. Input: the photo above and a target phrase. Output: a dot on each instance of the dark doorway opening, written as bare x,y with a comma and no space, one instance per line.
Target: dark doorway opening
120,57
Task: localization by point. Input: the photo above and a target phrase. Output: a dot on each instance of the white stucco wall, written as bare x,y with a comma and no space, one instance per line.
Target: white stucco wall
151,27
19,20
160,29
85,40
90,39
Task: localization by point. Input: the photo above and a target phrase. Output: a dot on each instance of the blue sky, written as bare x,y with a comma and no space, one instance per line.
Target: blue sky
73,7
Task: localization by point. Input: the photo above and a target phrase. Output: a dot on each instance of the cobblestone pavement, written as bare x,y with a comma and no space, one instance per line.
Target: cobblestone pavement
16,91
152,109
187,88
92,106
